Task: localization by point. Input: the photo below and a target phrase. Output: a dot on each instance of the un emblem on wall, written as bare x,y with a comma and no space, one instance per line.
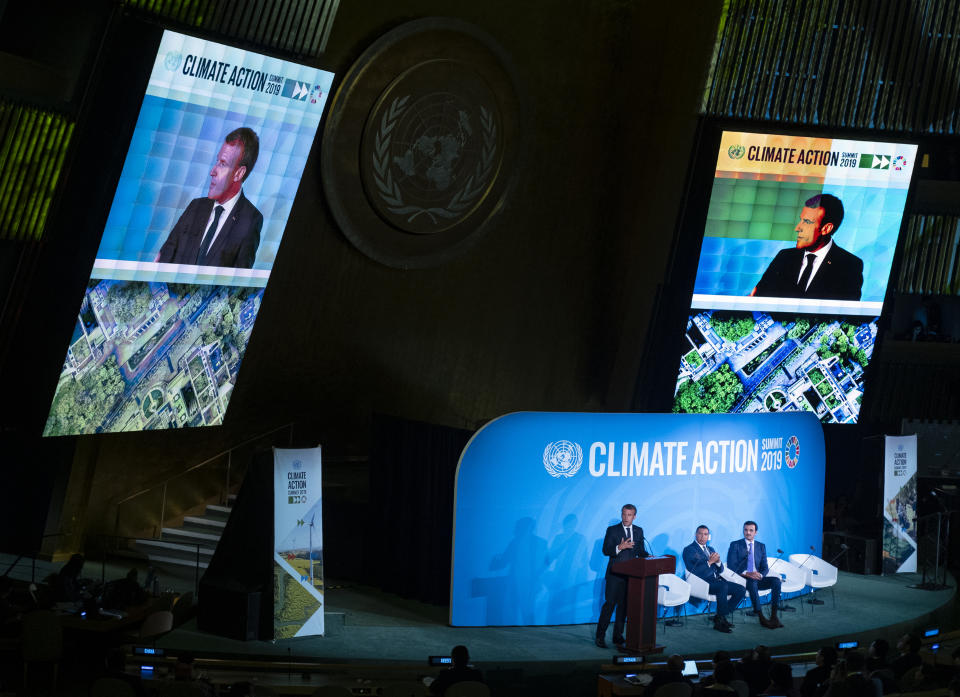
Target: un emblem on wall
562,458
429,118
432,161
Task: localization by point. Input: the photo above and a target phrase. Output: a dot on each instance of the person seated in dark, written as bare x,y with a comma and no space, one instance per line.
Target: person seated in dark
10,611
848,679
878,668
673,672
909,648
816,681
65,585
781,682
719,658
720,682
461,672
754,669
125,592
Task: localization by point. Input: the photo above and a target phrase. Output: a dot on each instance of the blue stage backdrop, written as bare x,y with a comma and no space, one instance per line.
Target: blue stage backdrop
536,491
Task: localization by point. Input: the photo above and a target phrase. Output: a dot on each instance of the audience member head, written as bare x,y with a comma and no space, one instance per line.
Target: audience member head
761,653
721,657
908,643
879,649
781,678
460,655
73,567
675,662
855,661
724,673
827,656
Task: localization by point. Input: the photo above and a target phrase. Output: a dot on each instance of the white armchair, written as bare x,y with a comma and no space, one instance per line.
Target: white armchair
673,592
818,574
700,589
793,579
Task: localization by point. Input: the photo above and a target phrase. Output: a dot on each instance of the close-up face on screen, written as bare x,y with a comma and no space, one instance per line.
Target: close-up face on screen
798,243
198,214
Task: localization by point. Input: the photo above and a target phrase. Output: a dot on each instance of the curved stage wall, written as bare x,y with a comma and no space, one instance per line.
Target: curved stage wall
536,491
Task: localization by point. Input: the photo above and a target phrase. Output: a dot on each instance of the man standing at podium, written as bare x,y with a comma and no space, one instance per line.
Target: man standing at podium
703,561
622,542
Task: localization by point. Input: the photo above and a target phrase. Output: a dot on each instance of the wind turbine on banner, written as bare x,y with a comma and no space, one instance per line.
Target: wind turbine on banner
310,552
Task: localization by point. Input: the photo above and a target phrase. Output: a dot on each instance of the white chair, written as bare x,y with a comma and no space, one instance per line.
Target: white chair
818,573
792,579
673,592
700,589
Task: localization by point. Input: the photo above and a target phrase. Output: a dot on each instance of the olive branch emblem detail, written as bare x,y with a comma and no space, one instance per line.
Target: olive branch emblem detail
389,190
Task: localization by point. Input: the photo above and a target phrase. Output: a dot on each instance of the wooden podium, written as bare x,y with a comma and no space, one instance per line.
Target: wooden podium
642,587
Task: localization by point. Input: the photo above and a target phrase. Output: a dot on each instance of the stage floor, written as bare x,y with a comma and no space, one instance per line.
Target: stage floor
366,625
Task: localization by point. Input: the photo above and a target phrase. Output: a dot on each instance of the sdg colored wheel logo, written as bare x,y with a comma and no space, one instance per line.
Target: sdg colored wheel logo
793,452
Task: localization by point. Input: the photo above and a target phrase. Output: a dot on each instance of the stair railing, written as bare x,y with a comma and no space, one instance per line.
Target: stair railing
159,491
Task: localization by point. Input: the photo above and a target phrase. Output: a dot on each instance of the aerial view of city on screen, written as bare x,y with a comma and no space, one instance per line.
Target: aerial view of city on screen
151,356
752,362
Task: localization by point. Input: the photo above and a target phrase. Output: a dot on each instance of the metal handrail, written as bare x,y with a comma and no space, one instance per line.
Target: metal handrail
162,485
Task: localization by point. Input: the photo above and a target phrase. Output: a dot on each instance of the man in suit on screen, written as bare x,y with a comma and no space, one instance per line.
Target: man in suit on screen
748,557
622,542
703,561
222,228
817,267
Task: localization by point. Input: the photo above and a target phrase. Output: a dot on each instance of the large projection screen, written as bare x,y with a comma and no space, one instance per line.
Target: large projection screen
798,243
190,239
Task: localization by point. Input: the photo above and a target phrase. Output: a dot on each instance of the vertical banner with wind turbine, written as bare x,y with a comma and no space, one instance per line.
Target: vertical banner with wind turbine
298,543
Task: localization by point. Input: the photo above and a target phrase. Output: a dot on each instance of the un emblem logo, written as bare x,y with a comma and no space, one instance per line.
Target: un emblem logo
562,458
736,151
172,60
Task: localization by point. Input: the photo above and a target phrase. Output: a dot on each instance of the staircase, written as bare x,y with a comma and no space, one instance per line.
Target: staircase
177,547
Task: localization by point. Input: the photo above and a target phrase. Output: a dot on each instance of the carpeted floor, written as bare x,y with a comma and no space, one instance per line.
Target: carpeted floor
364,624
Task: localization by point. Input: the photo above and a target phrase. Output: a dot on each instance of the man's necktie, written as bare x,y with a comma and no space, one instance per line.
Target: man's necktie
208,235
751,566
807,270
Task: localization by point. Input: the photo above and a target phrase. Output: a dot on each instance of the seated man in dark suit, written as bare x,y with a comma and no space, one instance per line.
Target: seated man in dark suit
703,561
222,228
748,558
817,267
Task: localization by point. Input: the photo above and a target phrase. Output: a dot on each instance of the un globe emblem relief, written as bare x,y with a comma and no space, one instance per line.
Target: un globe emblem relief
422,145
430,152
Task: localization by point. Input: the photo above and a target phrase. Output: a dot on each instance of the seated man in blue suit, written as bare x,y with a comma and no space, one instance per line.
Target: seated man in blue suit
749,559
703,561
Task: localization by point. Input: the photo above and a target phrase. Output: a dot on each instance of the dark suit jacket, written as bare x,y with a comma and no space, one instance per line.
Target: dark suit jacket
695,561
840,276
615,536
737,556
235,246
